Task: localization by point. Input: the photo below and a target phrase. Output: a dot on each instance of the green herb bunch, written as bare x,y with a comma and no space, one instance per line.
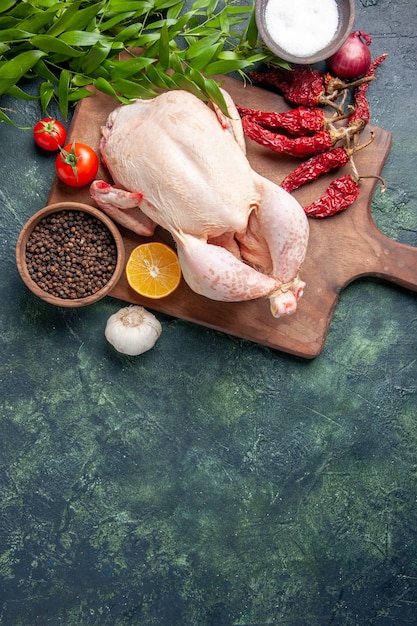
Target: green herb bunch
70,44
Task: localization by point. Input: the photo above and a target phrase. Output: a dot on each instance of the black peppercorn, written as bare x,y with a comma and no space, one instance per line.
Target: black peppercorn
71,255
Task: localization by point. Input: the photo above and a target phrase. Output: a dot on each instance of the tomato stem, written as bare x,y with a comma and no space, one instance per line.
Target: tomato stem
70,158
47,127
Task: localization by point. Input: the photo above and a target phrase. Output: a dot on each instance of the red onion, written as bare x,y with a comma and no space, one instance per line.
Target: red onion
353,58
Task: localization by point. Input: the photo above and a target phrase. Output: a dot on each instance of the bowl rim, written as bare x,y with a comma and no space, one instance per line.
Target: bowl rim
57,207
321,55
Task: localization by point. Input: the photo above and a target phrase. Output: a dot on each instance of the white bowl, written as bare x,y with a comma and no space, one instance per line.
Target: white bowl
346,11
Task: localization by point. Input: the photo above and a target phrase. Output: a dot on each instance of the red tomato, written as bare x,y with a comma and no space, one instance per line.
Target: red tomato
49,134
76,164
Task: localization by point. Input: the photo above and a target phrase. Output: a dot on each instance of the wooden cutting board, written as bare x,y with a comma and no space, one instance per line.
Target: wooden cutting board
341,248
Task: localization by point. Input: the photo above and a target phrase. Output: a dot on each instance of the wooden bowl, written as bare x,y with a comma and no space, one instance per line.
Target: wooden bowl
21,254
346,10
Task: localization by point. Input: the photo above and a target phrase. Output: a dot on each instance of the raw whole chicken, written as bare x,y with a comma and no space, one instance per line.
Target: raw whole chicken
180,163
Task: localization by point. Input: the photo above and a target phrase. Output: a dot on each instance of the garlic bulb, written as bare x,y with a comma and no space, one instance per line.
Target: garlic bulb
132,330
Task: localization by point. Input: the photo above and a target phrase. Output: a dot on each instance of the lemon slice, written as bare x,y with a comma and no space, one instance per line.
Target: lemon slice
153,270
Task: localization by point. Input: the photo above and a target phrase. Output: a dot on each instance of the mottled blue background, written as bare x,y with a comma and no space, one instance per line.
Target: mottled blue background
212,481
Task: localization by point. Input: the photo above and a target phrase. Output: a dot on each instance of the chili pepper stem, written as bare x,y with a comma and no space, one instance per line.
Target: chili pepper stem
328,101
335,85
360,81
382,181
355,173
358,177
338,118
366,143
343,133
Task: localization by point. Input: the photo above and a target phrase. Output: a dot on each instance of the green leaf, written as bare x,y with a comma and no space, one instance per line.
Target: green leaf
159,78
183,82
14,34
229,55
95,57
224,22
47,44
128,33
175,10
83,17
103,85
40,5
210,88
131,89
262,56
63,89
241,11
79,94
146,40
115,20
200,45
200,61
226,66
119,6
100,72
5,118
177,25
46,93
62,23
176,64
214,93
131,67
6,5
74,18
47,3
212,6
76,43
197,77
12,71
37,21
23,10
144,82
8,22
81,38
159,24
251,34
79,80
16,92
201,4
164,47
161,5
43,71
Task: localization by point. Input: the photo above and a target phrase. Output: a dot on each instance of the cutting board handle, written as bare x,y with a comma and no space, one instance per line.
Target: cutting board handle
392,261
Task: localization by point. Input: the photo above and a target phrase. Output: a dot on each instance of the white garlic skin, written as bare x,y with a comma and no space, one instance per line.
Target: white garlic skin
132,330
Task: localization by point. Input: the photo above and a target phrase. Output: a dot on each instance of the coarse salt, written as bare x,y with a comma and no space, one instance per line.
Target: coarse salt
302,27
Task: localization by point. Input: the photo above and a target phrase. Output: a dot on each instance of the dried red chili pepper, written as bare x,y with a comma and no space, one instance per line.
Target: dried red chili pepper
320,164
305,86
301,147
302,85
298,121
361,115
339,195
314,167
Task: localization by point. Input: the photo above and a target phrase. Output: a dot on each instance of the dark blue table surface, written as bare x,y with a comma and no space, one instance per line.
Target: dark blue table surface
212,481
